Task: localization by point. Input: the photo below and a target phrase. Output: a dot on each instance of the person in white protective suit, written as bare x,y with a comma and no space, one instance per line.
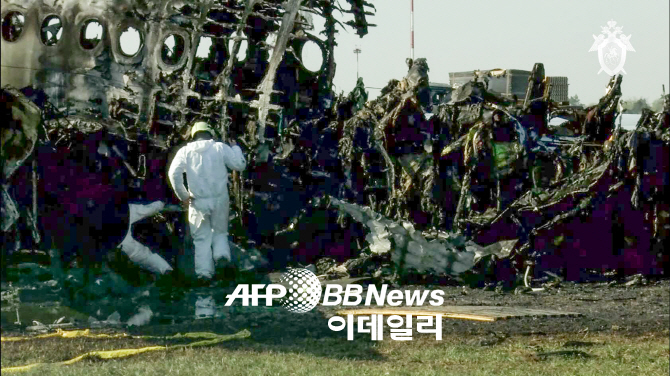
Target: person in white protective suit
206,163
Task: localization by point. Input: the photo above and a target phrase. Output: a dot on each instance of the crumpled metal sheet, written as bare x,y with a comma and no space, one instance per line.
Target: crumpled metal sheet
418,74
446,254
247,260
501,249
20,135
10,214
466,92
19,138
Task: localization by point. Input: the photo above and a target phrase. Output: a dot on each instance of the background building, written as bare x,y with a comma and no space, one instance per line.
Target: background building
510,82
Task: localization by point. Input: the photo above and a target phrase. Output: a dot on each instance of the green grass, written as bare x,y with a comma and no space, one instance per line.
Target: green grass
569,354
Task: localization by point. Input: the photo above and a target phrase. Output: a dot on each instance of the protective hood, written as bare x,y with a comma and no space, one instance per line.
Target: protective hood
201,146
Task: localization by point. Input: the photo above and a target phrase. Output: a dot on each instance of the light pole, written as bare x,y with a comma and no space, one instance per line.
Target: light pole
411,28
357,51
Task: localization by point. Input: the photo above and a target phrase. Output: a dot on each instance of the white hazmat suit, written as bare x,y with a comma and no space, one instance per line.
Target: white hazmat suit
206,163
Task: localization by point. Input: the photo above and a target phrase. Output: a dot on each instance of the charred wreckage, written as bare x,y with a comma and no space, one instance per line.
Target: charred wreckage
481,189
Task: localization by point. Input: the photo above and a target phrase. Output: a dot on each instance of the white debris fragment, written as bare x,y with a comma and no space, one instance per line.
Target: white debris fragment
204,307
142,317
114,318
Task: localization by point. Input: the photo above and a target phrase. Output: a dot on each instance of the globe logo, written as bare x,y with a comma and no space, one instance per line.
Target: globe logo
303,290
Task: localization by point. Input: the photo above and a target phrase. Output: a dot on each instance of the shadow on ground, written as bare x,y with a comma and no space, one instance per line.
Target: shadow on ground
161,314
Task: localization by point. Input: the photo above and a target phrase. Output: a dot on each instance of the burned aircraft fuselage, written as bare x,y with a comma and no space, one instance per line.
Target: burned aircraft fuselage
155,66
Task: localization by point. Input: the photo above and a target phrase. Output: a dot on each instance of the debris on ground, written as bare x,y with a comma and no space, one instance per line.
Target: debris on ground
408,248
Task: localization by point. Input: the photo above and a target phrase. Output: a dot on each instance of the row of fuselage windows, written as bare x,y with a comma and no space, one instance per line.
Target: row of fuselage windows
130,40
90,36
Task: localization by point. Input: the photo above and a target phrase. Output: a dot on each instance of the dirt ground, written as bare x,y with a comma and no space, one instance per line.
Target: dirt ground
605,307
629,309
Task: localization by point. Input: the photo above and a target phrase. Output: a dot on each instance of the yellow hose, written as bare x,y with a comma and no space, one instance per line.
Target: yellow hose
207,339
